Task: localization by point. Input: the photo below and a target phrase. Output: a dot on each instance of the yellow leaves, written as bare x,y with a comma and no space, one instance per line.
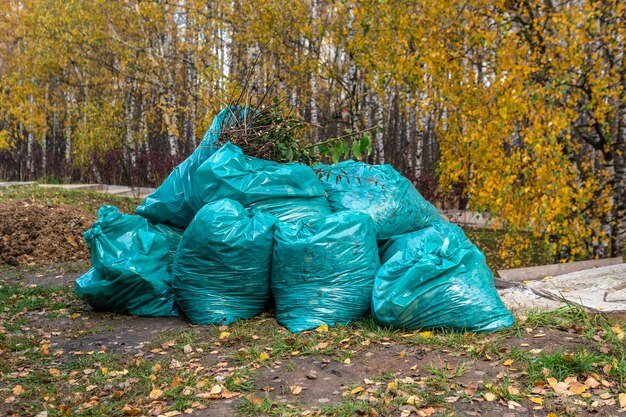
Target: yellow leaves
131,411
426,334
224,335
536,400
508,362
296,390
622,400
356,390
489,396
18,390
155,394
322,329
263,356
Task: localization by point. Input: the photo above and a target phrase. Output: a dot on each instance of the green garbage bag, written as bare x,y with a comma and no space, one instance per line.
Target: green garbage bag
222,268
130,272
323,270
436,278
289,191
170,202
379,191
172,235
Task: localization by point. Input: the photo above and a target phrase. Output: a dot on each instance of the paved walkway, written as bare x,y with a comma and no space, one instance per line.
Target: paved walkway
120,190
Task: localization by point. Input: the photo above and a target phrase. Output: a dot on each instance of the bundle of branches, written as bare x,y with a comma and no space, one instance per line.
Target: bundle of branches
266,131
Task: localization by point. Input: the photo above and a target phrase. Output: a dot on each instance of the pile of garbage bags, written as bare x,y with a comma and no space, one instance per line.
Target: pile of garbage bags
228,236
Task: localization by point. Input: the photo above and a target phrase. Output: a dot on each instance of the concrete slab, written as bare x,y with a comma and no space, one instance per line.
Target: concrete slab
521,299
601,290
81,187
540,272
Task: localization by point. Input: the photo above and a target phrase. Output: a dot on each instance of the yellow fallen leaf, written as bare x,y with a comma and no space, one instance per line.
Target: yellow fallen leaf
414,400
552,415
607,369
508,362
402,354
155,393
215,389
513,390
322,345
263,356
622,400
296,390
224,335
322,329
489,396
18,389
577,388
54,372
131,411
104,370
368,381
591,382
347,361
64,410
356,390
425,334
156,368
391,386
536,400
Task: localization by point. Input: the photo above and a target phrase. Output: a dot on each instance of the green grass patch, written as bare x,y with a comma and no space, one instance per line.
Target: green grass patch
561,365
88,200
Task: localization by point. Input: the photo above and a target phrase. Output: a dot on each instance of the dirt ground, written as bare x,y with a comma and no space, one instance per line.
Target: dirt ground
37,234
59,358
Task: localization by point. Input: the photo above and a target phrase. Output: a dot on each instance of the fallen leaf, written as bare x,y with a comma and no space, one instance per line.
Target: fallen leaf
64,410
356,390
224,335
414,400
391,385
322,329
18,389
489,396
187,349
577,388
322,345
263,356
156,368
591,382
402,354
513,390
508,362
131,411
622,401
296,390
607,369
54,372
425,334
254,399
347,361
368,381
536,400
155,393
215,389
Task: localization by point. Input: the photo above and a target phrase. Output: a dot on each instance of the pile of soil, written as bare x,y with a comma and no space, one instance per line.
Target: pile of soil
36,234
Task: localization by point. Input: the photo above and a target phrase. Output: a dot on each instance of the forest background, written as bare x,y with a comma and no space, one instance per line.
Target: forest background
514,108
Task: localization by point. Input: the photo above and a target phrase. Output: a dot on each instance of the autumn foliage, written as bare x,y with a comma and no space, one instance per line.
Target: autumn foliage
518,107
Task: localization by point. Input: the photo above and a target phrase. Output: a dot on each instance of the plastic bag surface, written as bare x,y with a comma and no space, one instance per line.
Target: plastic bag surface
222,268
131,270
379,191
288,191
323,270
170,202
436,278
